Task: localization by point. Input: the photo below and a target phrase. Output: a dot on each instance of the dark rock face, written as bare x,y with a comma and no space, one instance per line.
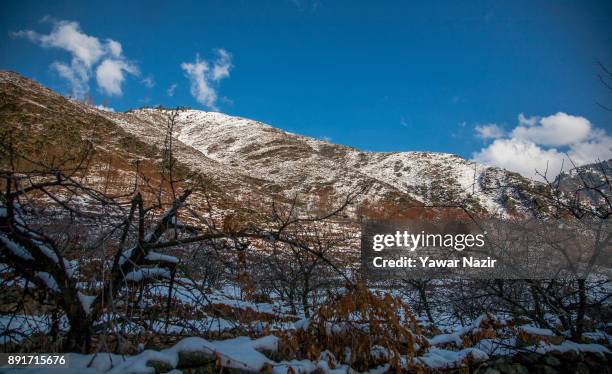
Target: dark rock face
549,363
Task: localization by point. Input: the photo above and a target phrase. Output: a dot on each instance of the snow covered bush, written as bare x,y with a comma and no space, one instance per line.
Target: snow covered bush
362,329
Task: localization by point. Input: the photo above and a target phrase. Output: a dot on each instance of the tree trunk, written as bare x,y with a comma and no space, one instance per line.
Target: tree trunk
582,304
305,292
425,303
78,338
537,305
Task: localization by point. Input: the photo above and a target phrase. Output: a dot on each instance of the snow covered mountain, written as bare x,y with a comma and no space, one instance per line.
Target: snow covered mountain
244,156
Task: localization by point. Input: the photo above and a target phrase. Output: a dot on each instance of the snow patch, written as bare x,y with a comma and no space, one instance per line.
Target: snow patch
86,301
17,249
154,256
147,273
49,280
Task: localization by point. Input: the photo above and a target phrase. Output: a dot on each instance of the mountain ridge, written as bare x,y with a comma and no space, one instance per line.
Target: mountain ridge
245,156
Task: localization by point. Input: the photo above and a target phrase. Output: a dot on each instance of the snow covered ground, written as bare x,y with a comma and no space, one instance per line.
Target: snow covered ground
248,354
447,349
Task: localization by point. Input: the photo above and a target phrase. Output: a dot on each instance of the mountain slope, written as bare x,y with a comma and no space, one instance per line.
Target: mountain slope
591,181
297,164
246,157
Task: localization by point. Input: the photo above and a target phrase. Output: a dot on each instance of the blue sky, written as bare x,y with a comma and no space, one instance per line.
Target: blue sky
441,76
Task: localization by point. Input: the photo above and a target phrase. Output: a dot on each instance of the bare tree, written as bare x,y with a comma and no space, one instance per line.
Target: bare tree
127,234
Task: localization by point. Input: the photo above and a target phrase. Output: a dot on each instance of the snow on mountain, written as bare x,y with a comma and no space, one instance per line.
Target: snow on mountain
297,164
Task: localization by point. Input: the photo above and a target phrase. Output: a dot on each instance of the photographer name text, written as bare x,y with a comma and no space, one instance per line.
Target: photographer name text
427,262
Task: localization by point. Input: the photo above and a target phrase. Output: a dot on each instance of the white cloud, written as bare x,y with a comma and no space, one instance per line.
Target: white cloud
200,86
557,130
490,131
226,100
149,82
67,35
527,121
599,148
105,108
115,48
171,89
76,74
110,75
222,65
538,145
521,156
86,52
203,78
